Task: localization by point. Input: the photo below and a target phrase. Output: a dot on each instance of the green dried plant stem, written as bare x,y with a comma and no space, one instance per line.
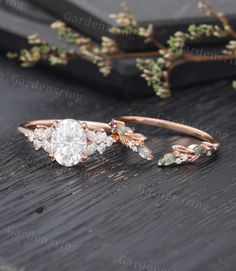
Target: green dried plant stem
175,53
208,10
157,71
37,54
154,72
69,35
127,24
206,30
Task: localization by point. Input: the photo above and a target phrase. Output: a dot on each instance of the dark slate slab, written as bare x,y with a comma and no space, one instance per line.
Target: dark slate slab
17,24
116,212
167,16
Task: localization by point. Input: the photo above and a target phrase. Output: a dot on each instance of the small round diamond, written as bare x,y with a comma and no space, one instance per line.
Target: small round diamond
91,149
101,137
68,142
132,146
178,161
209,153
184,158
42,133
39,133
37,144
91,135
31,136
101,148
109,141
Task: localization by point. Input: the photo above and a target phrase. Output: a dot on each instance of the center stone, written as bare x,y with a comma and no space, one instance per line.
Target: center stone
68,142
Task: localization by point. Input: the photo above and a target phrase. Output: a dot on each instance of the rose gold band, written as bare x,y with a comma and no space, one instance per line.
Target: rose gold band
171,126
27,127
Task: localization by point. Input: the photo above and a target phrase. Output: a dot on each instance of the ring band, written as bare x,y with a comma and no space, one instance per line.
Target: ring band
180,154
70,142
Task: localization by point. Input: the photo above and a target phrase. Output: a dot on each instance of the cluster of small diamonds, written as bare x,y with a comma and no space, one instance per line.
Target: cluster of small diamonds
98,141
40,138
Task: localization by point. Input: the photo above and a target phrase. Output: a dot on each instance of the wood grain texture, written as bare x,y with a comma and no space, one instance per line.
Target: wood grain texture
116,212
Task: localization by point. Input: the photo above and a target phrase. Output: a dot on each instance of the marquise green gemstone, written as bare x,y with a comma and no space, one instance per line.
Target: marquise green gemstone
167,160
145,152
120,130
200,150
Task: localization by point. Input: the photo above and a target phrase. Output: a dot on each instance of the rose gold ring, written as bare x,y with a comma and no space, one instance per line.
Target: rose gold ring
70,142
180,154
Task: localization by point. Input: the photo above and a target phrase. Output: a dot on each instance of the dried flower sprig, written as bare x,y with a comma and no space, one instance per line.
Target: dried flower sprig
155,66
127,24
230,48
207,9
156,75
42,51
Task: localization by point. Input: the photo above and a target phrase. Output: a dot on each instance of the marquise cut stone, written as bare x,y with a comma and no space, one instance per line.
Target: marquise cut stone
68,142
145,152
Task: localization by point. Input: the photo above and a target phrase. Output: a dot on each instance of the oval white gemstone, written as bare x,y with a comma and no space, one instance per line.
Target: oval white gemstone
68,142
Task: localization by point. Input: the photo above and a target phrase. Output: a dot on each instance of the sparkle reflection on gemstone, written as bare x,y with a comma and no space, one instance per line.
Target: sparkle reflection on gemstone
68,142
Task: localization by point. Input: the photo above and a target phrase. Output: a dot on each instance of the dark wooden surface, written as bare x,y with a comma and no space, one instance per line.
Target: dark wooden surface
116,212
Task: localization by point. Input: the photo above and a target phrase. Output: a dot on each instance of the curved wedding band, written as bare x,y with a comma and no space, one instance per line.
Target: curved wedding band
180,154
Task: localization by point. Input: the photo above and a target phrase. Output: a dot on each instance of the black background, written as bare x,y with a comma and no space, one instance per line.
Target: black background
117,211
